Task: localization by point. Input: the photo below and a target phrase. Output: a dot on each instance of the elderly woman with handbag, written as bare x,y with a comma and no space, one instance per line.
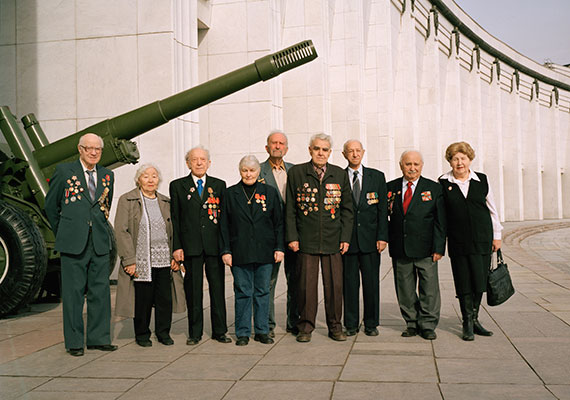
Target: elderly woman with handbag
148,275
474,233
252,240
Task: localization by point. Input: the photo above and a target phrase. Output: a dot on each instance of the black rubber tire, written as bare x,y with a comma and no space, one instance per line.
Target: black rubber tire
26,260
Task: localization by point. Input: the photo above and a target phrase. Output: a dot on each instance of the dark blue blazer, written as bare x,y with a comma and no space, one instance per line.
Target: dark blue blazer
370,213
421,231
251,234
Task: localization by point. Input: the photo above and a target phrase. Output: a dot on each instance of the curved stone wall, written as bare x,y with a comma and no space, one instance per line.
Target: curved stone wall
395,74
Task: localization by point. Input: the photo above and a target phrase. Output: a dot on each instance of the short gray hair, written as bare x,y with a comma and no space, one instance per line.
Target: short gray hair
199,147
141,170
82,139
273,132
321,136
249,161
351,140
411,151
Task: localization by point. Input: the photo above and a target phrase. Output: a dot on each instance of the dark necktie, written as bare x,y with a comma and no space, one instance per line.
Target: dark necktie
200,187
356,187
320,173
408,197
91,185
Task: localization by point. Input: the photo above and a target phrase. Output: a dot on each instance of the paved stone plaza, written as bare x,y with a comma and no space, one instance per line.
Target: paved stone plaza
527,358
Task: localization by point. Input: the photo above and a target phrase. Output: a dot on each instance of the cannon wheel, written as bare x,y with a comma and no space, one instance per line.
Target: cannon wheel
23,259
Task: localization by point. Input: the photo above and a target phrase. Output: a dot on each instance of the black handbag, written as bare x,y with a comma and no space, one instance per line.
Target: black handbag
499,284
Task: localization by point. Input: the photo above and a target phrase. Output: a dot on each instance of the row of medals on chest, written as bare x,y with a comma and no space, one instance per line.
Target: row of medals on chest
307,199
212,204
73,193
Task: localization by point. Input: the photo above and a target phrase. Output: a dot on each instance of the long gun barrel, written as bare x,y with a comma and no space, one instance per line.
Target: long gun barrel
116,131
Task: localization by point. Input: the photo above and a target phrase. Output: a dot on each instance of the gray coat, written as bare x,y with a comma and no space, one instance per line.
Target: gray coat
127,220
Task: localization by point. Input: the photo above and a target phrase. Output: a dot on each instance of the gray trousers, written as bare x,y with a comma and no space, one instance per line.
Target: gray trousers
420,309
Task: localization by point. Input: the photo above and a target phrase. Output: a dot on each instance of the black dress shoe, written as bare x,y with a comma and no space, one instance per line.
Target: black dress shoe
351,331
242,341
303,337
428,334
263,338
410,332
192,341
167,341
222,338
371,331
103,347
272,333
76,352
144,343
338,336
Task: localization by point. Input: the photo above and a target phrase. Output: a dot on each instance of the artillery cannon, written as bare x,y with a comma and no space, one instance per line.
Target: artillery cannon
27,256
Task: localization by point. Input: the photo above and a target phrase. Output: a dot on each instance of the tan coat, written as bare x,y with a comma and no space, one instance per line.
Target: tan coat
127,221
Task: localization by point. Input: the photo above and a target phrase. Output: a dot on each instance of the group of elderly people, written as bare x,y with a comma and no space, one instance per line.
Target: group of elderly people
165,245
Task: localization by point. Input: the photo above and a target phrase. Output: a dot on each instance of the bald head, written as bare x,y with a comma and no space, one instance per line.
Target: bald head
353,152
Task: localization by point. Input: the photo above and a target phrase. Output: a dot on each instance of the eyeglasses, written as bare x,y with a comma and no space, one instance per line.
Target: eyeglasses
90,149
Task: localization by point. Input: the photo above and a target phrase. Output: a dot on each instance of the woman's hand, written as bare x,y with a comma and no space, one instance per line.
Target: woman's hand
130,269
176,266
294,246
278,256
227,259
496,244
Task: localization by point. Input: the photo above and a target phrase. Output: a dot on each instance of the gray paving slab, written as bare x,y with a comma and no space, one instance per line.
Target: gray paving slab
53,361
562,392
70,395
385,391
380,368
123,369
263,390
495,391
294,373
176,389
468,370
549,357
82,384
12,387
210,366
320,351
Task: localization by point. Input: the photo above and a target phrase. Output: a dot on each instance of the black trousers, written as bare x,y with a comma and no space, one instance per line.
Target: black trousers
193,290
367,265
470,273
158,292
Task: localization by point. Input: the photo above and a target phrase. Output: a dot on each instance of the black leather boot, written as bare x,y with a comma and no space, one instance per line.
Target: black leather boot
477,327
466,305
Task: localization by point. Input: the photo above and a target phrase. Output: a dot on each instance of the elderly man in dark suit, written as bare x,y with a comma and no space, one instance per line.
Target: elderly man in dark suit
319,220
77,206
274,173
369,239
417,242
195,202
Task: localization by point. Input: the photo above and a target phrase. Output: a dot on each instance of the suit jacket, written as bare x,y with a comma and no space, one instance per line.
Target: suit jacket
421,232
252,233
195,219
127,222
73,214
370,213
266,175
318,214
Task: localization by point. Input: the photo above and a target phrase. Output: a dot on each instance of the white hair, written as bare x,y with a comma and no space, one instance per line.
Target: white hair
411,151
142,169
199,147
82,139
321,136
249,161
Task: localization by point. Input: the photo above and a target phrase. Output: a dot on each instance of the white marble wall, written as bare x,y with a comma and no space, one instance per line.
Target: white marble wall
384,75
